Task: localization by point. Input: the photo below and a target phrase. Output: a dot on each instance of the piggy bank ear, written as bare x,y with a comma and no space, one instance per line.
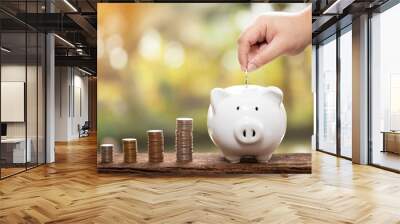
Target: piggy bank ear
275,93
217,95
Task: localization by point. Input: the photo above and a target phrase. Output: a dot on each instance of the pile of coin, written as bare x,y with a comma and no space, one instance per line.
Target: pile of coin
184,139
155,143
106,153
129,147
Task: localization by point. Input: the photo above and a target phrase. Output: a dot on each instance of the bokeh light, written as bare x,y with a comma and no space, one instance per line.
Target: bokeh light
174,54
118,58
150,44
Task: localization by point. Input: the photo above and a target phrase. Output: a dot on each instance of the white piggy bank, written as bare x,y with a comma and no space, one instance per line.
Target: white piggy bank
246,121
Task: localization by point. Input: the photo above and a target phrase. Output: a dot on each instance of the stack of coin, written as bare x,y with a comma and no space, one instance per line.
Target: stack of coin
155,142
106,153
129,147
184,139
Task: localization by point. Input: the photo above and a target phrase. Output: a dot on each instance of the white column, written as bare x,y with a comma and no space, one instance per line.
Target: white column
50,99
50,92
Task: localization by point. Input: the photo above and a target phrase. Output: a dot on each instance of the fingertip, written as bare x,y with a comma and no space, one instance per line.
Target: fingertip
251,67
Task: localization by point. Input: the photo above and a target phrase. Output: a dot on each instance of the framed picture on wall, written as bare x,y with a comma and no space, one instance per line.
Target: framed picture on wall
12,101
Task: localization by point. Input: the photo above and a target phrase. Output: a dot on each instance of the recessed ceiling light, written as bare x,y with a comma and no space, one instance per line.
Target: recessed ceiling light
84,71
5,50
64,40
337,7
70,5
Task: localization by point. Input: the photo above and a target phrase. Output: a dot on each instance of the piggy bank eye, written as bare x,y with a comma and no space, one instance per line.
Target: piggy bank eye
256,108
237,108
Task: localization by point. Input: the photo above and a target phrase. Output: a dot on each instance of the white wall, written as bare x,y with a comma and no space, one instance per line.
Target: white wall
70,84
81,94
62,81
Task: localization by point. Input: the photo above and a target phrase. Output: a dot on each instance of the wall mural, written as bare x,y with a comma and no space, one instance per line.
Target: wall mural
160,62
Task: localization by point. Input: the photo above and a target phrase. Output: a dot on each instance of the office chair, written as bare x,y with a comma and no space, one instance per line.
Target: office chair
84,130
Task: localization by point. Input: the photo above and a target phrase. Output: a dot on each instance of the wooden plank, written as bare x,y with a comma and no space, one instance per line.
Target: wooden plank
205,164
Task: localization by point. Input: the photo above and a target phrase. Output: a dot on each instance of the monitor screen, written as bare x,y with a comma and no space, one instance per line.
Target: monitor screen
3,129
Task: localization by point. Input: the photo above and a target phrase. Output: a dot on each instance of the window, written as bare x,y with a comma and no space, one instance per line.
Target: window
327,97
385,89
346,93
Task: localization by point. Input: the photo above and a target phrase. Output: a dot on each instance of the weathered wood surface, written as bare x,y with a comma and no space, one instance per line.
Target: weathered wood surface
205,164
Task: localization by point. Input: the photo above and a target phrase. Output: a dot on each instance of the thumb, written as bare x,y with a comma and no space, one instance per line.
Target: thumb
266,55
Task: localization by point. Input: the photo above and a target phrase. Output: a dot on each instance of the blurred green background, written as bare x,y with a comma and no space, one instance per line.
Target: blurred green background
157,62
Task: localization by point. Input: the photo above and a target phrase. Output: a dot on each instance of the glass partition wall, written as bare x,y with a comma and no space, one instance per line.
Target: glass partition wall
13,110
22,88
334,98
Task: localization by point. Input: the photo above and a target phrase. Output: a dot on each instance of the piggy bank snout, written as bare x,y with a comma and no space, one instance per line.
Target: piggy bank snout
248,131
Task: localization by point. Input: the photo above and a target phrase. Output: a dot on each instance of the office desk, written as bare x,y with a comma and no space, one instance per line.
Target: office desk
13,150
391,141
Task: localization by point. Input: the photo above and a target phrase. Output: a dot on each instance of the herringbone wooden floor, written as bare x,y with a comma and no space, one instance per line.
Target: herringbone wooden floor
71,191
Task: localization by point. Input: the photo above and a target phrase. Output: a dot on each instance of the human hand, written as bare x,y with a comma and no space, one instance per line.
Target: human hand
272,35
